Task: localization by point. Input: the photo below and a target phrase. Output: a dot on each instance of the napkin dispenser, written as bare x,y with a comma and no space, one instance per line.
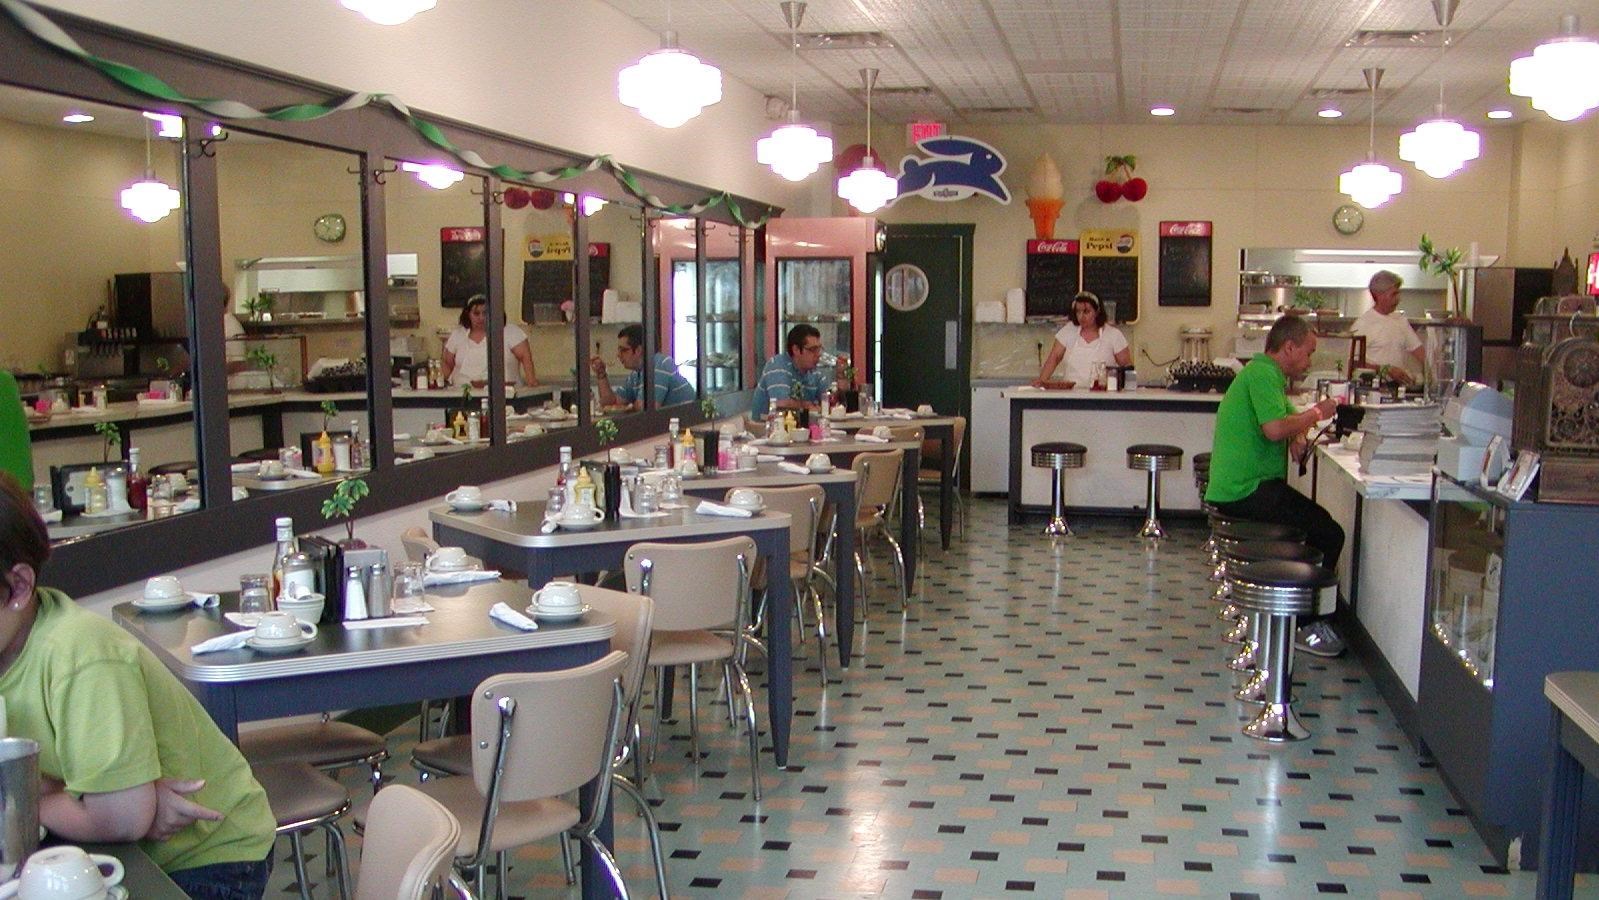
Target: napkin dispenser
327,560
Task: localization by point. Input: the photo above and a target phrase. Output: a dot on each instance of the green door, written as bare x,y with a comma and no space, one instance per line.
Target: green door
923,317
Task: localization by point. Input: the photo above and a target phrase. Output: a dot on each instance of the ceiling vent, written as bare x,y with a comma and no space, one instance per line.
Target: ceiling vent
1395,40
998,111
909,90
844,40
1243,110
1329,93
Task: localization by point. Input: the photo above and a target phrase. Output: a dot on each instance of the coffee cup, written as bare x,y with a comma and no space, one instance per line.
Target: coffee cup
883,431
448,558
271,468
163,587
581,512
467,494
305,607
179,483
280,626
818,462
66,873
746,498
925,409
800,436
557,597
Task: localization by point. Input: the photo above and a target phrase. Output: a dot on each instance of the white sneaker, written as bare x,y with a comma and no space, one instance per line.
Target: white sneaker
1319,639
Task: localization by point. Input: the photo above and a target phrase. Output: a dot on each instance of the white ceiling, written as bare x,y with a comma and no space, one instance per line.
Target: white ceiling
1103,61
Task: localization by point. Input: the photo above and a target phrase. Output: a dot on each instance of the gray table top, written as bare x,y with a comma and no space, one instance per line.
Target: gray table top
1576,695
458,626
853,423
524,528
849,445
140,875
767,474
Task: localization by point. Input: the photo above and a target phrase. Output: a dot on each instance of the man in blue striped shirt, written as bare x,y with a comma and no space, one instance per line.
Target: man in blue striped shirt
792,380
671,388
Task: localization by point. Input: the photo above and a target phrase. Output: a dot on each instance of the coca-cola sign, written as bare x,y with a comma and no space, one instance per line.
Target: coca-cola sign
1185,229
1063,247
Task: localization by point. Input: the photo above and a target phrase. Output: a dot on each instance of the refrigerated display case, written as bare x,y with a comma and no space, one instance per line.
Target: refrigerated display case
719,330
818,272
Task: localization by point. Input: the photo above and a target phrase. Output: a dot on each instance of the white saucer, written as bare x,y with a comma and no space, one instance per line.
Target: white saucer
286,645
466,565
468,505
749,509
163,604
539,615
823,470
577,524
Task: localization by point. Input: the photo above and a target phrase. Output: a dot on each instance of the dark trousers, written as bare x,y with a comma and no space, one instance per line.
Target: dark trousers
225,881
1275,501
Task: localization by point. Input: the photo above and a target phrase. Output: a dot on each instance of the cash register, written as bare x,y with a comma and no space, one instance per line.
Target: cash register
1473,417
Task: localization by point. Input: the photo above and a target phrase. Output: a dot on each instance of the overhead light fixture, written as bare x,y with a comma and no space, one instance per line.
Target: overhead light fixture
1330,112
1500,114
77,118
150,199
170,126
1561,76
1162,111
389,12
1441,146
1371,184
434,175
794,151
868,188
669,86
587,204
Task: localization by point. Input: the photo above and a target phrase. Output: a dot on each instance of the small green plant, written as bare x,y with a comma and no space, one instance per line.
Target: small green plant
260,306
112,437
329,413
266,361
342,504
1309,299
164,365
606,430
1445,263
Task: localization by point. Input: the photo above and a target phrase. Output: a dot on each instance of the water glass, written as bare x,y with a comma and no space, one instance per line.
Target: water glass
254,594
408,586
43,502
557,501
672,489
645,499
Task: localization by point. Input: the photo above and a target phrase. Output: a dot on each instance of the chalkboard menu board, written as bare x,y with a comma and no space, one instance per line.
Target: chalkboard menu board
463,266
547,283
1184,264
1110,270
1051,277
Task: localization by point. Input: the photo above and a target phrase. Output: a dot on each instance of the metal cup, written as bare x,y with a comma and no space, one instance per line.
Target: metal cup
19,804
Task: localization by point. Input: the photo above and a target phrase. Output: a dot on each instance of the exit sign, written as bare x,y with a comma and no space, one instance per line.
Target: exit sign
921,131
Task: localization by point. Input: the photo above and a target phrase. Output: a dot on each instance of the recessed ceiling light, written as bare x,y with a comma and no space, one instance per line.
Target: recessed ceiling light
1162,111
1499,114
77,118
1330,112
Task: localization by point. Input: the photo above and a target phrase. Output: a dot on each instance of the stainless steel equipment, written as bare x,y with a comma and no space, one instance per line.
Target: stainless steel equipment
1454,355
1265,292
1196,343
1499,299
19,803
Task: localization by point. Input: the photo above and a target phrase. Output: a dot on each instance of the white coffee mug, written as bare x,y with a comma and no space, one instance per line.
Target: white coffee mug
883,431
282,626
466,493
818,462
746,498
925,409
65,873
448,557
162,587
271,468
558,596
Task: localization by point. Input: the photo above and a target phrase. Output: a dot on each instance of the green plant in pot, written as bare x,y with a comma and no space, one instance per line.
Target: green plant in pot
329,413
606,431
266,361
110,436
708,408
1443,262
342,506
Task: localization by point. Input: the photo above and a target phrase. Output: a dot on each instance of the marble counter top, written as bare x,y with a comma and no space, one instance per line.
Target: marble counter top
1377,487
1143,394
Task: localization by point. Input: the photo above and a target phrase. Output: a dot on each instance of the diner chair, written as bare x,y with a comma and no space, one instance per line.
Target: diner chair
1153,459
302,800
261,455
698,588
536,737
1057,457
877,483
327,744
408,847
1279,591
804,505
917,435
931,473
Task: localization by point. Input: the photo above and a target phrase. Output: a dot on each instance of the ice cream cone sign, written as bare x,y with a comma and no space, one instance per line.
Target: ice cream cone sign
1045,197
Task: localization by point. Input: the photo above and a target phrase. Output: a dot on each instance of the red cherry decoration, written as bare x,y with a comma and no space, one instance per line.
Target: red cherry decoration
516,197
1135,189
543,199
1108,191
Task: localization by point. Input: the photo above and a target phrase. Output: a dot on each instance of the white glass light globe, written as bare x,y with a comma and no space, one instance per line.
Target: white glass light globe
669,86
868,188
1370,184
794,151
150,200
1561,77
1440,147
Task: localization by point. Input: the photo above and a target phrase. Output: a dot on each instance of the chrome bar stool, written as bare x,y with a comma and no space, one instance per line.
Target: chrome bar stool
1202,475
1279,591
1154,459
1224,531
1058,456
1246,627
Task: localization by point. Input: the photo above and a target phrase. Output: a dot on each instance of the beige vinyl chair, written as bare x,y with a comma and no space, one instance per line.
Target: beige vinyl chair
536,737
914,434
698,588
418,543
804,506
408,848
931,474
305,800
876,487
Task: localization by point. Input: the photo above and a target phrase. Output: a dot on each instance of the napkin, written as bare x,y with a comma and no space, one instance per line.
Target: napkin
548,527
501,505
52,517
768,457
300,473
502,612
871,439
386,622
233,641
796,468
245,467
202,600
467,576
707,508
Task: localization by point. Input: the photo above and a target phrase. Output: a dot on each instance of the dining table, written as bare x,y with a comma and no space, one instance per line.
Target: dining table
517,539
839,485
934,428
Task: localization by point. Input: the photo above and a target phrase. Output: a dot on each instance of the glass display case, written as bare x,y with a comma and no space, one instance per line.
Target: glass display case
1466,572
721,328
817,292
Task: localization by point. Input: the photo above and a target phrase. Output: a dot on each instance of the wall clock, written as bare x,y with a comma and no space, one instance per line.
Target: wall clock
1348,218
329,228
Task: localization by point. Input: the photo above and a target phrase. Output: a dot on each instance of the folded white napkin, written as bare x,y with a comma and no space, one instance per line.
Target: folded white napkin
871,439
796,468
768,457
52,517
233,641
501,505
202,600
245,467
466,576
386,622
402,435
707,508
411,607
548,527
502,612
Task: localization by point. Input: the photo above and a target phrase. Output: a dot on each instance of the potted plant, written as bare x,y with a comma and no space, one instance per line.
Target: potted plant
260,307
1446,263
342,506
606,431
329,413
266,361
111,436
708,408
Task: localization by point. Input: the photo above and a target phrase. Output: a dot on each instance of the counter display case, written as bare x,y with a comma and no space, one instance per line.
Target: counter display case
721,328
817,292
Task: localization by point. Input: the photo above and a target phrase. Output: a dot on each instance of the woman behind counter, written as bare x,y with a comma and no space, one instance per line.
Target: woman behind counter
1084,341
466,350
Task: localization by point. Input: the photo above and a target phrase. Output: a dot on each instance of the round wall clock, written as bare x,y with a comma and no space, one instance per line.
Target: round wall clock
329,228
1348,218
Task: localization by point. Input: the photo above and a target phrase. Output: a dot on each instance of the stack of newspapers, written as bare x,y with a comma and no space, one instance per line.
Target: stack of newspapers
1398,438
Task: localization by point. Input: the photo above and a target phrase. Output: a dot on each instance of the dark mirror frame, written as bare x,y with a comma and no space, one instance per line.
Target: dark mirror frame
222,526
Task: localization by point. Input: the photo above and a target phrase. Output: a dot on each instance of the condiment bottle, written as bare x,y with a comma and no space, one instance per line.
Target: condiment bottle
583,488
138,485
94,492
458,425
323,450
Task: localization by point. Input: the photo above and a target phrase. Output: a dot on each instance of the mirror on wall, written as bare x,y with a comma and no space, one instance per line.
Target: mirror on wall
436,212
537,225
289,217
616,324
95,308
722,327
675,244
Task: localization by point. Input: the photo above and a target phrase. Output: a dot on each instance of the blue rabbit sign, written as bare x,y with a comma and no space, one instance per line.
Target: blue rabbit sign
955,168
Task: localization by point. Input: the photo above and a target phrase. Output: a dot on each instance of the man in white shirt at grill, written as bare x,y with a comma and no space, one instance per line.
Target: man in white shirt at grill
1391,344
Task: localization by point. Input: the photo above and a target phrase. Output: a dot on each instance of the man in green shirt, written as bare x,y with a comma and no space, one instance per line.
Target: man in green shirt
117,731
16,453
1256,431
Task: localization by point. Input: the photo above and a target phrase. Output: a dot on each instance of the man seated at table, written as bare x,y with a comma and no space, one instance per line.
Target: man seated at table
117,731
1256,432
671,388
792,379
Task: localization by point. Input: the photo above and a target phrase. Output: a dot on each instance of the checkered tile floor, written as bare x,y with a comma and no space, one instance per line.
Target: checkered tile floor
1050,719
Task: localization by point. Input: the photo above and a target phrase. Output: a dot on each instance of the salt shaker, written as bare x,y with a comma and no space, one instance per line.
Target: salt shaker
355,593
379,592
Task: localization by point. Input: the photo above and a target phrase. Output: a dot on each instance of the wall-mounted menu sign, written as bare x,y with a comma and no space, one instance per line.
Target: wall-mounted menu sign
1184,264
463,267
547,277
1110,270
1051,277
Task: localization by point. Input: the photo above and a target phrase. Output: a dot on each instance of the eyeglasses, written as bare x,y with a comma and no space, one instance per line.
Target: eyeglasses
811,348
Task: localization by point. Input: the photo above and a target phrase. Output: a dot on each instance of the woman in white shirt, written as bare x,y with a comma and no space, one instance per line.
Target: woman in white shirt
1084,341
466,350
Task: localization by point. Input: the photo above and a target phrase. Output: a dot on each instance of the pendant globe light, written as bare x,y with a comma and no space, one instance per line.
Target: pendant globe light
669,86
389,12
794,151
868,188
149,200
1562,75
1441,146
1371,184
